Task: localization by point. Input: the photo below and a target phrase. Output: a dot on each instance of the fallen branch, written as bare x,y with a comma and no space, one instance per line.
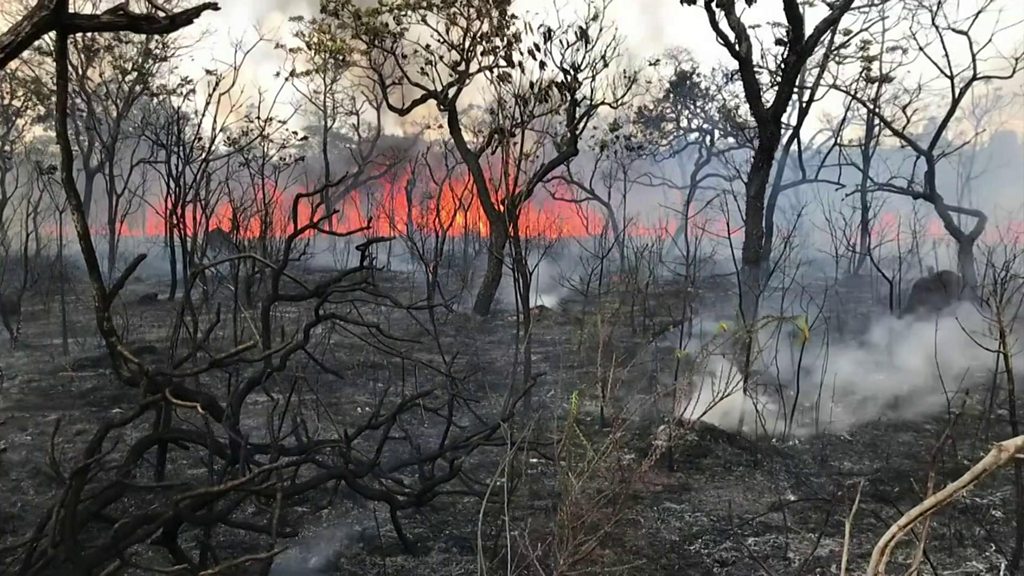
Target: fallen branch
848,533
1000,455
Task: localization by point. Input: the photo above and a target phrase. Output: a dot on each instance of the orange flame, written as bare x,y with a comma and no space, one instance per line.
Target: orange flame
389,209
452,210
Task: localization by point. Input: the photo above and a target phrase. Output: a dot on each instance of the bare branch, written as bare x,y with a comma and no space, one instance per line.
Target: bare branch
46,16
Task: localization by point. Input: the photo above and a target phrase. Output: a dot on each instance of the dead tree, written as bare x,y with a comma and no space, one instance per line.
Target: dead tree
972,164
768,103
435,192
960,46
111,74
262,174
16,108
344,108
1001,454
792,156
612,171
47,179
695,121
471,40
876,52
549,84
191,135
21,106
1002,294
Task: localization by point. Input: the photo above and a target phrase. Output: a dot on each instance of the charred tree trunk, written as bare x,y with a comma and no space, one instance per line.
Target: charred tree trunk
965,240
805,100
88,188
681,238
769,217
618,238
111,239
113,210
1002,290
495,267
768,117
172,256
77,207
776,189
325,158
864,232
523,278
1018,464
752,259
183,246
966,265
62,276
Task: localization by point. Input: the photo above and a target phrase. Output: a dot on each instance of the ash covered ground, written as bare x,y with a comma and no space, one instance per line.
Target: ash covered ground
593,475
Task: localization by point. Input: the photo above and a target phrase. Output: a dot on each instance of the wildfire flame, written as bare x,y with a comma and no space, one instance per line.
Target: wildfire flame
390,209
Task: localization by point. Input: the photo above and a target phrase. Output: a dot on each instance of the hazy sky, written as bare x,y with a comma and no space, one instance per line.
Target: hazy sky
648,28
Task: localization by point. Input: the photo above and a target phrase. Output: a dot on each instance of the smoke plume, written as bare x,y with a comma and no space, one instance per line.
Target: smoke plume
902,368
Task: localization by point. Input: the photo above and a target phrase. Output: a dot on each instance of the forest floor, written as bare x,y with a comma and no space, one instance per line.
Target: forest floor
722,504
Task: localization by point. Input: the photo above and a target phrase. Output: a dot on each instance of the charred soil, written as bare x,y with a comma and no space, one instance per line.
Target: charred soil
719,504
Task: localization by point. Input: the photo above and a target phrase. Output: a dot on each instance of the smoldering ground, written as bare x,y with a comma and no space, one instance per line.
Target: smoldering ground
908,368
891,348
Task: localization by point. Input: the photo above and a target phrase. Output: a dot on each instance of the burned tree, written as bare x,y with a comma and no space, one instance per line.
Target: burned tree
22,113
17,97
111,75
189,133
543,86
436,194
696,123
961,47
261,170
343,110
17,106
610,174
768,100
461,42
877,55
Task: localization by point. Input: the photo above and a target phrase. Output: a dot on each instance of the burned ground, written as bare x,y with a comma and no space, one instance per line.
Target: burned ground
712,503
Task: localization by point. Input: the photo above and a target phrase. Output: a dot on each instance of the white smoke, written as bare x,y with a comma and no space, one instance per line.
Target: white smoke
906,368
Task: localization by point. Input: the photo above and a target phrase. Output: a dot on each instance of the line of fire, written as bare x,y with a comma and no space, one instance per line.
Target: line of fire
394,208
